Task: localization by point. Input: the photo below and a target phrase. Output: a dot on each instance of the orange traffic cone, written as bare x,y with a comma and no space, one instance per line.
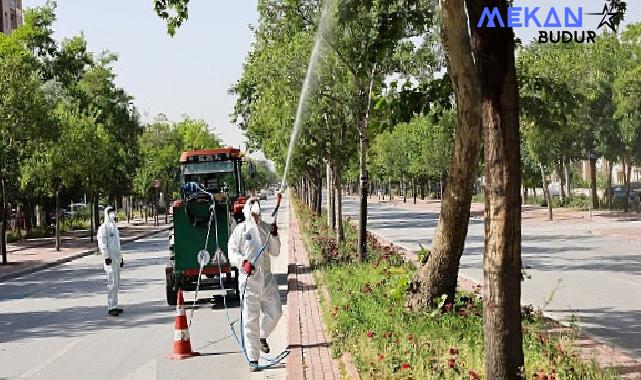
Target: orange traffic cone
182,345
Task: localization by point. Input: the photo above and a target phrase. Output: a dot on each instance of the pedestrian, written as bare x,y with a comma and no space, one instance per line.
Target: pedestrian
109,245
261,294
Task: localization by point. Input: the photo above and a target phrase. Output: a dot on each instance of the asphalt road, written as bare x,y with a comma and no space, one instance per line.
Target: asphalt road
574,274
54,325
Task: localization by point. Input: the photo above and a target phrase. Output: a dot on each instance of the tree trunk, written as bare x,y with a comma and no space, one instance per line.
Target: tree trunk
57,219
390,188
362,123
595,197
560,170
422,190
525,194
404,189
3,224
441,185
318,194
440,274
546,192
414,189
627,172
166,196
330,197
340,233
608,185
494,54
568,180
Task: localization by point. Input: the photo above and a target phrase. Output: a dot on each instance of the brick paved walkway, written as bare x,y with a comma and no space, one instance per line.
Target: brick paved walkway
36,254
308,342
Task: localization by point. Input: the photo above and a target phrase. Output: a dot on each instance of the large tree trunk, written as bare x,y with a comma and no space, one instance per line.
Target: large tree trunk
494,53
546,192
3,224
439,275
340,233
595,197
57,219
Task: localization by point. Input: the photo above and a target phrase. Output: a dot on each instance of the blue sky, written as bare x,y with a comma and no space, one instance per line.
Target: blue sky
192,72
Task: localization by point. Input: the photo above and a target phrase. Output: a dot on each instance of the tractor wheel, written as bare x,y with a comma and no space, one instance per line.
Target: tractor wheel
172,290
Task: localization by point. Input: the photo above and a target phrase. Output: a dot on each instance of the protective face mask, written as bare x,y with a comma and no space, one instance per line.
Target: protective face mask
111,216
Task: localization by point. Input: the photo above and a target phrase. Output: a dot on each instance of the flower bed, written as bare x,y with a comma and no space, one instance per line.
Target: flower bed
367,317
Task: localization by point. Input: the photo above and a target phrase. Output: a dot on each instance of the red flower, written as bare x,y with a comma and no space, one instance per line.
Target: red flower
370,334
387,335
453,351
447,307
473,375
381,357
405,366
451,363
410,337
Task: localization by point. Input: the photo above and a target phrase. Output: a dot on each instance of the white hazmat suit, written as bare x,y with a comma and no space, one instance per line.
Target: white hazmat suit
109,245
261,292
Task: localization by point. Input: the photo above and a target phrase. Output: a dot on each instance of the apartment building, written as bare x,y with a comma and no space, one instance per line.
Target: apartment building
11,13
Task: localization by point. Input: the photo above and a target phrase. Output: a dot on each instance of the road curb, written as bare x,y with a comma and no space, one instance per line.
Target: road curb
72,257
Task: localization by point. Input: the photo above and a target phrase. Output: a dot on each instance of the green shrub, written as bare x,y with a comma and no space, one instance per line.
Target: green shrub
12,236
38,233
74,223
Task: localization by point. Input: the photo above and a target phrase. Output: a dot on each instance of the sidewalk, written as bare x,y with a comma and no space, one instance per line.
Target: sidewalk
37,254
309,343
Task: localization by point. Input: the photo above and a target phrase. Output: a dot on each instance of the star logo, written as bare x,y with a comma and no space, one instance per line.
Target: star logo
609,17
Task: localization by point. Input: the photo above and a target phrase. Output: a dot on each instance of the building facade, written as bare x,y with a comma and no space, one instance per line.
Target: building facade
11,13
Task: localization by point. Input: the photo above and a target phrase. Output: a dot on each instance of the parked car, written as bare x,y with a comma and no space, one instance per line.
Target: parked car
263,195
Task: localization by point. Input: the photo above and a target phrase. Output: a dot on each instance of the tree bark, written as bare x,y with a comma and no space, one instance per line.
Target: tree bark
330,197
627,173
494,53
439,275
561,169
404,189
546,192
568,180
3,226
57,219
608,185
340,233
362,123
414,189
595,197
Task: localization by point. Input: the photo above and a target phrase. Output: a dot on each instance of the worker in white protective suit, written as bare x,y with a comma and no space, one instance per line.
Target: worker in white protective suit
109,245
261,293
